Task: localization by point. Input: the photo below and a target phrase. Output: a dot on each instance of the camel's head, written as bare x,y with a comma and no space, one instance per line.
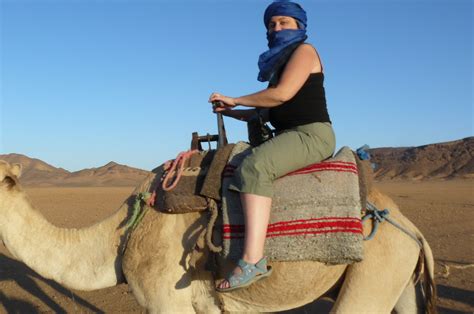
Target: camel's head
9,174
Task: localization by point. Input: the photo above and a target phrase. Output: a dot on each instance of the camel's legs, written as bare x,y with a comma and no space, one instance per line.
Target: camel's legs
160,282
409,301
151,286
372,286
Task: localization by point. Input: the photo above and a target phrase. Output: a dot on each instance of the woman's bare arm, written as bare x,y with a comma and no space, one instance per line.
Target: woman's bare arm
295,74
239,114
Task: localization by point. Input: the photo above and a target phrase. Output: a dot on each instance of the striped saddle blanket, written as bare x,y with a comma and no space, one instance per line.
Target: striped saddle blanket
316,212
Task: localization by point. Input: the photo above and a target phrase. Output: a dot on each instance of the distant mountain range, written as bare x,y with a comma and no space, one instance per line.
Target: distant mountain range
36,172
447,160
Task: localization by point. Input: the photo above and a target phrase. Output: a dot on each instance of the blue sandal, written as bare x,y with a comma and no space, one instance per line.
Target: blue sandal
250,274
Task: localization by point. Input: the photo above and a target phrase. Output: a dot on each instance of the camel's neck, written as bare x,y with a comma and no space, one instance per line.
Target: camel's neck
84,259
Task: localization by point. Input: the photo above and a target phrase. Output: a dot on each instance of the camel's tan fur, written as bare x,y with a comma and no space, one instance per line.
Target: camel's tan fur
85,259
157,264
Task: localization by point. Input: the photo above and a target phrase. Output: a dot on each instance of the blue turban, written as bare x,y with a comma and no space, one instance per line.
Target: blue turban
281,44
285,8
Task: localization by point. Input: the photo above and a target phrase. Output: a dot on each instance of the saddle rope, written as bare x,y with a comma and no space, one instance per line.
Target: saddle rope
179,161
213,208
379,216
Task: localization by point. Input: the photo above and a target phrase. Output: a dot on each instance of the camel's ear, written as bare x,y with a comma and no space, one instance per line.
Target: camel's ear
9,182
16,170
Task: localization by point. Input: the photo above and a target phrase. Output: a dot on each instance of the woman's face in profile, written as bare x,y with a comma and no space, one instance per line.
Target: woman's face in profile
278,23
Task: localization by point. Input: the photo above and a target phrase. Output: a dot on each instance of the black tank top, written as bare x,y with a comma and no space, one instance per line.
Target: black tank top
307,106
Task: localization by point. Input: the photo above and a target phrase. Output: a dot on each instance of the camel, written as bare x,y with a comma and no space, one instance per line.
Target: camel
163,261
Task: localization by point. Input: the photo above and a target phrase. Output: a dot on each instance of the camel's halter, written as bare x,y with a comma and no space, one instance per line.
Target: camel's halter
379,216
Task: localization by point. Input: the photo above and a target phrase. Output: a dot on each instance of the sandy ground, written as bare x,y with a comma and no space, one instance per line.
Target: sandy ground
443,210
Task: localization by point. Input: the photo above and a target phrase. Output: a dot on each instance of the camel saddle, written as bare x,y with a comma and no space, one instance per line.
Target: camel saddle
316,211
327,216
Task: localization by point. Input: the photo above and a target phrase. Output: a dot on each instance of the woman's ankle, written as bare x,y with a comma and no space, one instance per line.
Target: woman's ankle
252,259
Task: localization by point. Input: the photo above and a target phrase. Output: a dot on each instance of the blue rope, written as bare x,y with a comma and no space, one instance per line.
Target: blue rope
380,216
364,154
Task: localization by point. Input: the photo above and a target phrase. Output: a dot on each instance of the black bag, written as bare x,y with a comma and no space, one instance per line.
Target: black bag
259,132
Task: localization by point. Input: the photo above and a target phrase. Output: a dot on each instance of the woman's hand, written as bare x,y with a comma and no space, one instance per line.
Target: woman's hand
221,103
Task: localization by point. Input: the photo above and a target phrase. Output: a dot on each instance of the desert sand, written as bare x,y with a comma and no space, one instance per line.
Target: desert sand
443,210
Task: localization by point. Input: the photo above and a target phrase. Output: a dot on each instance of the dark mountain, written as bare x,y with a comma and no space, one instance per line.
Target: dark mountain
446,160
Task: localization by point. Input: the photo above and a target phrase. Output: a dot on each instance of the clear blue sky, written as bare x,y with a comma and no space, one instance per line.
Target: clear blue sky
86,82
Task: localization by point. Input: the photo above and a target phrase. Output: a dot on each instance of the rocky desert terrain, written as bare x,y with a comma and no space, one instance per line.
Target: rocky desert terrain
432,184
446,160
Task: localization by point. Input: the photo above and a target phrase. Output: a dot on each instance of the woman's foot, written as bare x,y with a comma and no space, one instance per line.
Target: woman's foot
224,284
245,274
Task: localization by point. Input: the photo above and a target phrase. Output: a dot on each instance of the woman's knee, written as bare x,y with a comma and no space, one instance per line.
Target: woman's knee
254,167
252,178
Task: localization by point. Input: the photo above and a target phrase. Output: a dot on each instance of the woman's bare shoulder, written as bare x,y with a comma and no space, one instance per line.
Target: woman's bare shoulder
307,47
304,51
310,51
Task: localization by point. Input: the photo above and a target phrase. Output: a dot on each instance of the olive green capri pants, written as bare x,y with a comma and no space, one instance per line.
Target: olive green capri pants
291,150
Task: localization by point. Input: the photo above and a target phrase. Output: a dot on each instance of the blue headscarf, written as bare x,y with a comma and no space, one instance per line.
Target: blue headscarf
281,43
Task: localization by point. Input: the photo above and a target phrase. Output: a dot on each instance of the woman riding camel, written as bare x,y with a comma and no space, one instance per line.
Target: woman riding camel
295,104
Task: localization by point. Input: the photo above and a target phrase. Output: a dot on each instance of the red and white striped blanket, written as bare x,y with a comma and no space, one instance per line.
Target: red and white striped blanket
315,212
